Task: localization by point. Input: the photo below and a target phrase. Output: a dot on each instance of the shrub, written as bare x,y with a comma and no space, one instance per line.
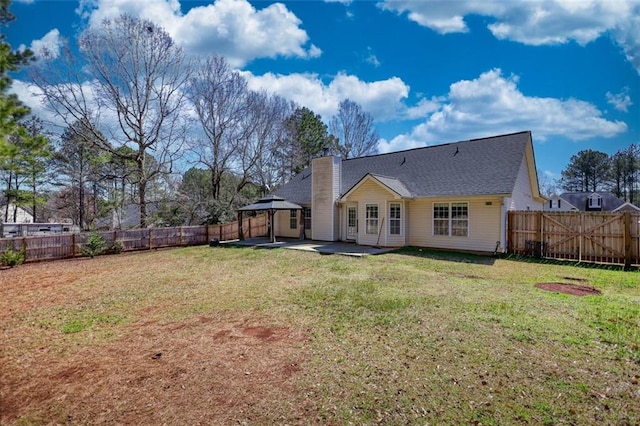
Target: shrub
116,247
11,257
95,245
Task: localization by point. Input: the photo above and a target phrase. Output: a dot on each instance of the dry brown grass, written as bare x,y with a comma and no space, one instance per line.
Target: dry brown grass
242,336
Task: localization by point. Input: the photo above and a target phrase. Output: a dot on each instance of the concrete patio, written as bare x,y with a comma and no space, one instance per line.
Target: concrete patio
322,247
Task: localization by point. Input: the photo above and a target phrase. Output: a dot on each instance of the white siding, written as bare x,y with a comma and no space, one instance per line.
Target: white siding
370,192
325,189
564,206
484,225
22,216
522,197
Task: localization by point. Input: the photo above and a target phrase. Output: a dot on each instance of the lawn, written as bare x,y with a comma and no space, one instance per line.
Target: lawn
247,336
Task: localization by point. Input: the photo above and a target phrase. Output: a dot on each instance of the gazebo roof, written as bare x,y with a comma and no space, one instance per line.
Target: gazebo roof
270,202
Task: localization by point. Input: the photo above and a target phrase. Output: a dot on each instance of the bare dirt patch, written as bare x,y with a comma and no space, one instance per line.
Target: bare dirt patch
573,289
218,368
202,371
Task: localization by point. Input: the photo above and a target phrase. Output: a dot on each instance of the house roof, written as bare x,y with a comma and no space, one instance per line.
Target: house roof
580,200
270,202
476,167
392,184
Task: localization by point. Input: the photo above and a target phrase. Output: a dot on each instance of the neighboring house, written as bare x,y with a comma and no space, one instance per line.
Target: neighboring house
24,225
127,217
453,196
20,214
587,202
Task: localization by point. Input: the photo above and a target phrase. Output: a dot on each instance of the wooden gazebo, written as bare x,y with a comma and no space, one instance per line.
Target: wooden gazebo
270,204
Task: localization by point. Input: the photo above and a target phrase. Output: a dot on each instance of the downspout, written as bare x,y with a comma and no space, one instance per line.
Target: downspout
503,226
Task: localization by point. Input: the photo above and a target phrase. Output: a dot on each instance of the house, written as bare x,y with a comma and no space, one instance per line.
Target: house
453,196
15,214
127,217
588,202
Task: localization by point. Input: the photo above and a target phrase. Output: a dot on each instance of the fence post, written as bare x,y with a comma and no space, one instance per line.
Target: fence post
24,247
220,232
249,227
581,237
150,230
180,235
627,240
73,245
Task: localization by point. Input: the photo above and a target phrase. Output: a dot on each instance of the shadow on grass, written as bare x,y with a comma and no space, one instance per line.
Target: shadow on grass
451,256
585,265
484,259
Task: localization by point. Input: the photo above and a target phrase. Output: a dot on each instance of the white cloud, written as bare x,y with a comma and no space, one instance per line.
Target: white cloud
534,22
372,58
423,108
382,99
31,96
231,28
492,104
28,94
627,35
48,45
620,101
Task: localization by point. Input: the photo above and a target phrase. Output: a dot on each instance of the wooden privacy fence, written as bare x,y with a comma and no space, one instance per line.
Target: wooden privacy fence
612,238
62,246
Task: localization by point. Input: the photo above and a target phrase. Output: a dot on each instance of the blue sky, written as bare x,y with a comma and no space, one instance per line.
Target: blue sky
428,71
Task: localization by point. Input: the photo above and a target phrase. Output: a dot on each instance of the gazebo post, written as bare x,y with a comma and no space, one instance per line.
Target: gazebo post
240,233
272,228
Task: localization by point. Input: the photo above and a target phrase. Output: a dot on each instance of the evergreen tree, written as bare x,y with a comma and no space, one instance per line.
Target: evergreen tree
78,164
307,137
587,171
11,109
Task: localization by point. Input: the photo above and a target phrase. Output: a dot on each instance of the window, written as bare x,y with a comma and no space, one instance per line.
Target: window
451,219
371,219
394,218
307,218
595,201
440,218
555,203
293,219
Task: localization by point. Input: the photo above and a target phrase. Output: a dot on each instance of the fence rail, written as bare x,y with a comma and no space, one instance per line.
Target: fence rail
63,246
612,238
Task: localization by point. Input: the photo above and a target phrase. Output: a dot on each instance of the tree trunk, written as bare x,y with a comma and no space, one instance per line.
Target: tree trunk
142,188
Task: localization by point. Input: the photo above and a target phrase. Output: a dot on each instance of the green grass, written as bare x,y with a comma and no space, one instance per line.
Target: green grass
411,337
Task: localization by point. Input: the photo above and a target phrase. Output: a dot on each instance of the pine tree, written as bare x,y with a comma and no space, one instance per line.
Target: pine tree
11,109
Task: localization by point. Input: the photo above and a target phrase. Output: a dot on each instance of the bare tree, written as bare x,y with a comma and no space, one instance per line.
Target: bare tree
260,155
128,82
220,96
354,131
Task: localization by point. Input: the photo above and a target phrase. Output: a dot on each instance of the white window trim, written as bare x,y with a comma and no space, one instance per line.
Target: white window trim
366,219
450,219
401,219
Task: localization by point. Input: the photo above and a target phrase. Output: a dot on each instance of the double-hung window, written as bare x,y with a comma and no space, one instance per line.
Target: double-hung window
307,218
451,219
395,219
371,218
293,219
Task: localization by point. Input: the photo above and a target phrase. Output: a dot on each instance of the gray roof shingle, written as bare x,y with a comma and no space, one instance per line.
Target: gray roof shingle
580,200
475,167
